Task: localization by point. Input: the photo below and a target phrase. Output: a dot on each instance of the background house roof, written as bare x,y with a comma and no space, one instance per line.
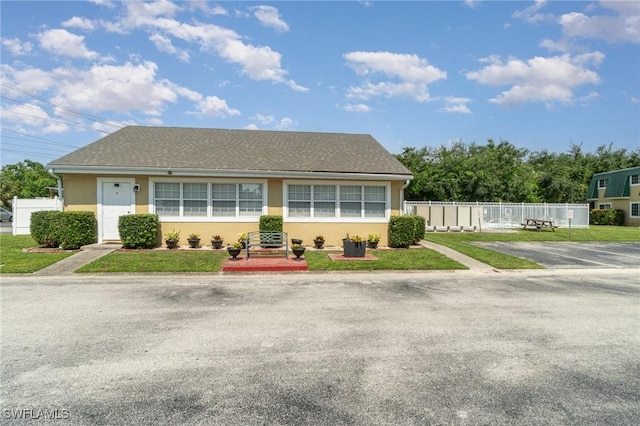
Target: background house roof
251,150
618,185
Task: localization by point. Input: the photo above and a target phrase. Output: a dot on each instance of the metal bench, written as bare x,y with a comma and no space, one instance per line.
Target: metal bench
267,239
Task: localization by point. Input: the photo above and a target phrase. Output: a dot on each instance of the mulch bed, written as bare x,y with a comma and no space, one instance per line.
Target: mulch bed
46,250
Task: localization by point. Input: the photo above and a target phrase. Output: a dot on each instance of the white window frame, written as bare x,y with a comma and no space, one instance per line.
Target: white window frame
602,183
209,182
637,177
604,206
631,209
337,218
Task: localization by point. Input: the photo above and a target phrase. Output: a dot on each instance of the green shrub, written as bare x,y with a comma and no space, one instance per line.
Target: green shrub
270,223
420,226
77,229
606,217
401,231
138,231
45,227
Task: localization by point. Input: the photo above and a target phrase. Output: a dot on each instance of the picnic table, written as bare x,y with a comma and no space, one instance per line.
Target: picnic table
539,224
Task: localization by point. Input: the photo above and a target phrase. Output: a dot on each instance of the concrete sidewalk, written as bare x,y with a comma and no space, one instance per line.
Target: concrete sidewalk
87,254
467,261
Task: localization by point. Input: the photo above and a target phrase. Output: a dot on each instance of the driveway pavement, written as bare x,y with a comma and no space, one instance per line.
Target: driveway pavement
583,255
471,347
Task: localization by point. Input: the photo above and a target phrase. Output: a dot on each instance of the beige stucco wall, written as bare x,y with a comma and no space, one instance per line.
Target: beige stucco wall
80,193
622,204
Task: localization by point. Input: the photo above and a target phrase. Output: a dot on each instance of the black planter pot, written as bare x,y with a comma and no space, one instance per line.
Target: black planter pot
194,242
171,244
216,244
296,241
372,244
299,251
234,252
354,249
319,243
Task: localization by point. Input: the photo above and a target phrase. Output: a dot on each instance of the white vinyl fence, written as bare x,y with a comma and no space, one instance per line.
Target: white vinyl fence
497,215
23,207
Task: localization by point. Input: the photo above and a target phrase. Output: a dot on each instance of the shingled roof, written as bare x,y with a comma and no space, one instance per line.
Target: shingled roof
237,150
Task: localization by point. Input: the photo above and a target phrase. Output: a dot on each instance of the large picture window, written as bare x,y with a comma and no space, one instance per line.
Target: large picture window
334,201
208,199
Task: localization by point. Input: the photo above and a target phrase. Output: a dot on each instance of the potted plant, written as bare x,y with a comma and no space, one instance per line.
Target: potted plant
216,242
354,246
172,238
319,241
373,240
298,250
242,239
194,240
234,250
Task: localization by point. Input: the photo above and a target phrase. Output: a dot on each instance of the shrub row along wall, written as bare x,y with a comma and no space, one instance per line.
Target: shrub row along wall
606,217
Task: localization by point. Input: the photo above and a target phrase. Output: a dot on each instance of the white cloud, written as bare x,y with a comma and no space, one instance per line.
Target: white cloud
270,17
80,23
164,44
472,3
539,79
285,123
456,105
635,100
257,62
106,3
251,127
263,119
213,106
414,74
29,79
356,108
33,116
203,6
17,47
611,28
532,13
63,43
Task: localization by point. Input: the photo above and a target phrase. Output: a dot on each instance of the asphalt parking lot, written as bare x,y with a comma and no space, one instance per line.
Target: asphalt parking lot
529,347
583,255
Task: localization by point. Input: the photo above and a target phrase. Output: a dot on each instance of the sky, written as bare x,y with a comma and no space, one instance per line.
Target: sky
541,75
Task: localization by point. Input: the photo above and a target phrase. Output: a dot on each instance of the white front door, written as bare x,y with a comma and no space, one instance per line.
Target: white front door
117,200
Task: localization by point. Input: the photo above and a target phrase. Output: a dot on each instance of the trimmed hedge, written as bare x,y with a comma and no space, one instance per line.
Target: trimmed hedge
69,230
401,231
270,223
77,229
44,227
138,231
420,227
606,217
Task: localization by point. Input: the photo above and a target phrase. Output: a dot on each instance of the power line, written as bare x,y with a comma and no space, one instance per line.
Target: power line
68,123
72,111
36,137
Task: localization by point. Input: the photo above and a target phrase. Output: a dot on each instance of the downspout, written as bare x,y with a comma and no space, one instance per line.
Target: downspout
406,183
59,183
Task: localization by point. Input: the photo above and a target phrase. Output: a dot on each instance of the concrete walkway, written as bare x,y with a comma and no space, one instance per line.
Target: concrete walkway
467,261
87,254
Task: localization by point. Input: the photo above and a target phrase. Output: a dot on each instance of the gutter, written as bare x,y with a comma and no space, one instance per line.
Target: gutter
406,183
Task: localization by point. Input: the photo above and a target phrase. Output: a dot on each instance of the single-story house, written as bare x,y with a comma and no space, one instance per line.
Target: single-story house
618,189
217,181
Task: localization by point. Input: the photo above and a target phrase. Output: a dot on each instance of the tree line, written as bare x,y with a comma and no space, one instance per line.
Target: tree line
502,172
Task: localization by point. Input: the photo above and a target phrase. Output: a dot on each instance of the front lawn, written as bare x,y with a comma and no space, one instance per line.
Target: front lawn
158,261
404,259
14,260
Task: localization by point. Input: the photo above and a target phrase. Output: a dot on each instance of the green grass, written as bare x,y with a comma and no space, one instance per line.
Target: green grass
408,259
158,261
462,242
14,260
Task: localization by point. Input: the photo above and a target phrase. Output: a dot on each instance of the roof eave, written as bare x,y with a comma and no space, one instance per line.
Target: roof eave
186,172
